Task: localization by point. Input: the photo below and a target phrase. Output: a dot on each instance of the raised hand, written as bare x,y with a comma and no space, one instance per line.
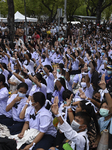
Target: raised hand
17,99
82,94
69,100
54,107
102,83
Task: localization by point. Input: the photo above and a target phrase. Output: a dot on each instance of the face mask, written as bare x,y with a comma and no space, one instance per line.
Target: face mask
33,83
58,70
21,94
75,126
105,61
48,50
53,50
102,54
91,51
0,70
44,72
89,68
83,84
109,72
104,112
65,45
65,102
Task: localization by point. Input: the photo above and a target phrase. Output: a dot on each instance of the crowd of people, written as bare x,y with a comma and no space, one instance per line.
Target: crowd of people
56,85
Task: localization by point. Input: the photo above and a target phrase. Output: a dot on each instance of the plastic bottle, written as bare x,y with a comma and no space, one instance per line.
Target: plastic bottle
103,143
66,146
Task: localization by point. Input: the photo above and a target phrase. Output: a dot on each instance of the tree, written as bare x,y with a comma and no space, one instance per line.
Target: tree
52,6
96,7
72,6
102,4
11,19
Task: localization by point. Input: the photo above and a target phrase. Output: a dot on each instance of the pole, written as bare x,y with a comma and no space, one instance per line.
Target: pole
65,18
25,18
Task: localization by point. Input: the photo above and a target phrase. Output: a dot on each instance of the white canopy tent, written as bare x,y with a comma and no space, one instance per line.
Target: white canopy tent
3,19
19,17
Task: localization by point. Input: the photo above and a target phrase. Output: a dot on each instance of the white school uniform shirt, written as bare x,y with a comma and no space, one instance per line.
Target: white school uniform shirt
50,83
88,92
3,102
30,66
43,121
13,88
77,78
47,62
35,89
16,111
69,84
75,64
29,83
5,73
57,58
4,60
102,69
77,139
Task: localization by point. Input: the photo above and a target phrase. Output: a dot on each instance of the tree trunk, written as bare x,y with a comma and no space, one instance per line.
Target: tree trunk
98,11
11,19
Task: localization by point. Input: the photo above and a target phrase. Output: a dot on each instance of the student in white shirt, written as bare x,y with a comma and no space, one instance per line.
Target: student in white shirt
49,79
3,101
86,87
15,103
77,132
4,71
28,63
24,78
39,84
41,119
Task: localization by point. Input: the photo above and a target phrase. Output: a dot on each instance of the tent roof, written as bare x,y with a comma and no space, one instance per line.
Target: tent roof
3,19
85,17
19,17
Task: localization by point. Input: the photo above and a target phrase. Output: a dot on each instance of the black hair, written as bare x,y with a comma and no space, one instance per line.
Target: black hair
29,55
4,65
49,68
94,63
2,78
61,65
66,94
39,97
40,78
22,85
84,116
23,73
90,111
62,81
104,101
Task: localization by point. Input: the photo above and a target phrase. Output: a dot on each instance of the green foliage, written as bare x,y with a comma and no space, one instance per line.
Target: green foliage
49,7
3,8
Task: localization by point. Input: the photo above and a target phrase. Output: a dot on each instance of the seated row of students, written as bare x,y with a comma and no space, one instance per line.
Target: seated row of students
19,113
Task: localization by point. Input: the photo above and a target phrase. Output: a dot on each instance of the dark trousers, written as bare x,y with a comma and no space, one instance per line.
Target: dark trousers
15,127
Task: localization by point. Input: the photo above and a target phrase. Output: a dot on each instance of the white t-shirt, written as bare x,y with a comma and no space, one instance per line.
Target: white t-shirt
30,66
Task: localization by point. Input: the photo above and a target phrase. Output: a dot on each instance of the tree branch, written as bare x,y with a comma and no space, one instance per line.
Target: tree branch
46,5
109,4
